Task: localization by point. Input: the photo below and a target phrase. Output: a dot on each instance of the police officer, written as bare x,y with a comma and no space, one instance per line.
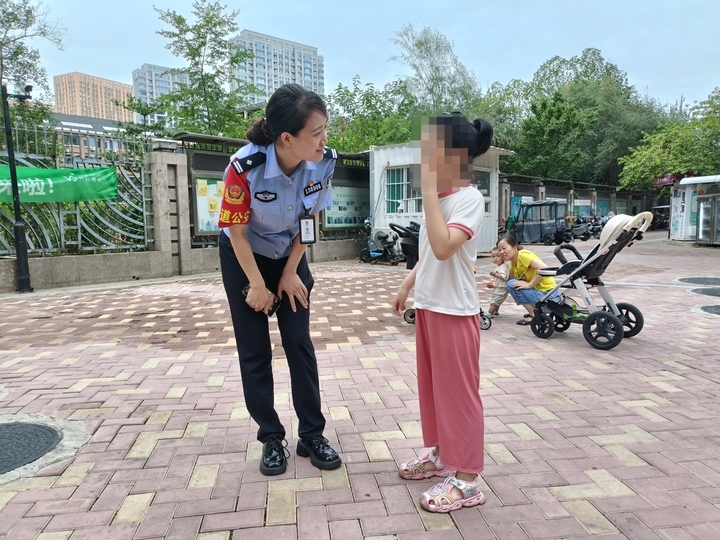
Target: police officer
274,188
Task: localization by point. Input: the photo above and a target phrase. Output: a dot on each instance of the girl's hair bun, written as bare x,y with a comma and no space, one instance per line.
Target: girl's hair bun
483,136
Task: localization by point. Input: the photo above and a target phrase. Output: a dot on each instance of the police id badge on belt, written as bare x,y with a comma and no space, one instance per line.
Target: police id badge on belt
307,229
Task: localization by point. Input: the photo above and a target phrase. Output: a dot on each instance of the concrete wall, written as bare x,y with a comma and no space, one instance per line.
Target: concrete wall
73,270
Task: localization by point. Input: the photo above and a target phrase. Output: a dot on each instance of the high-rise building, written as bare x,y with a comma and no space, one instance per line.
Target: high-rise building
150,82
277,62
81,94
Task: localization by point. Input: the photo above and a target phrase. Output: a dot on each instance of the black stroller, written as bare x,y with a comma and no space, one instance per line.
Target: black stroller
604,326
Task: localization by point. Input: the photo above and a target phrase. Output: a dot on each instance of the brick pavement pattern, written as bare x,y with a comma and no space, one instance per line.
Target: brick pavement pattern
580,443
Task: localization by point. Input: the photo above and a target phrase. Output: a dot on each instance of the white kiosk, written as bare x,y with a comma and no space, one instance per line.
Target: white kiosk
393,199
695,210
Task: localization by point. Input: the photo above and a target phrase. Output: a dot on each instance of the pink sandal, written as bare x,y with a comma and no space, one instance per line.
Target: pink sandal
416,469
439,499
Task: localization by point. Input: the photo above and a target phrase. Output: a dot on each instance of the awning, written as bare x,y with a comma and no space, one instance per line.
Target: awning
714,179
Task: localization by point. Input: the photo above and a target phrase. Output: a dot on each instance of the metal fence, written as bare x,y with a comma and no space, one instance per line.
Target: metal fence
122,225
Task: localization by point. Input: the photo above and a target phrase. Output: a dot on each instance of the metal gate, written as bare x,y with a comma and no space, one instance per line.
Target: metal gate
120,225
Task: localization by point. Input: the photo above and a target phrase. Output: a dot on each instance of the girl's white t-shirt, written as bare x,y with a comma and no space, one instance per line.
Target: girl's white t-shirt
449,286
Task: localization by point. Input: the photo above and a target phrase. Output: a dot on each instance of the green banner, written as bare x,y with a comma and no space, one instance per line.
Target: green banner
59,185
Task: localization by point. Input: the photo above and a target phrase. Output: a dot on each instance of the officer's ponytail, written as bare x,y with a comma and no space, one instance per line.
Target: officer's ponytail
258,133
288,110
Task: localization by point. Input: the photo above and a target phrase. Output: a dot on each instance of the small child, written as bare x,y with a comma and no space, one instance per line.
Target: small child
499,284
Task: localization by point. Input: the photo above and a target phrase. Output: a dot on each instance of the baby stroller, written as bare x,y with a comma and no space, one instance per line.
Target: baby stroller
604,326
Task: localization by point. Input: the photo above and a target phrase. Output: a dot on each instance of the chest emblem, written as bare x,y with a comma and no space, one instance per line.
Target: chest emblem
312,187
265,196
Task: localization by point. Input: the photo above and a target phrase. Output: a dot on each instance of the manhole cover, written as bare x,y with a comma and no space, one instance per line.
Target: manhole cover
701,280
22,443
715,310
715,291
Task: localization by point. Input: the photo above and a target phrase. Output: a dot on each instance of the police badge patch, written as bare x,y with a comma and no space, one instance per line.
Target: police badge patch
265,196
234,195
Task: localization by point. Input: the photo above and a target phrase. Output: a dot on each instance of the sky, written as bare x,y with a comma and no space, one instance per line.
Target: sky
668,48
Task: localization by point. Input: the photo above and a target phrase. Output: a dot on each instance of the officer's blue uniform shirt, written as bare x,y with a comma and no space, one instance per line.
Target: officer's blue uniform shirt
269,203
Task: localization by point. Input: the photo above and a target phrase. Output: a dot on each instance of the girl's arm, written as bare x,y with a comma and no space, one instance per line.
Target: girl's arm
408,283
444,240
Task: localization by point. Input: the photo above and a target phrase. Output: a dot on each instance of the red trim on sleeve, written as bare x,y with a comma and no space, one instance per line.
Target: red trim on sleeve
463,228
235,206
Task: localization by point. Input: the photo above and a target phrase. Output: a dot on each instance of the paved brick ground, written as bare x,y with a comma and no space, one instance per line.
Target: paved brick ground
580,443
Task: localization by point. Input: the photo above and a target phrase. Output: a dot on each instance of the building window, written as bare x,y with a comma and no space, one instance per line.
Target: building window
400,195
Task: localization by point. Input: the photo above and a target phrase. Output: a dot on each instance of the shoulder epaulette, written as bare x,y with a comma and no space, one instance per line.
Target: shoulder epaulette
244,164
330,153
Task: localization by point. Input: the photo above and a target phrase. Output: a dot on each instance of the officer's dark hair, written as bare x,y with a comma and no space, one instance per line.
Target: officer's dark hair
475,137
288,109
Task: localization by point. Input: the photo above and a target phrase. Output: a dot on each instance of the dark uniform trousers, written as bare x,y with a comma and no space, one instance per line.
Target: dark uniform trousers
254,348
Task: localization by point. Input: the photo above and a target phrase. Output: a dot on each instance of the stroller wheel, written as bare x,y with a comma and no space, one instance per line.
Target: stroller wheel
560,324
603,330
631,317
485,322
409,315
542,325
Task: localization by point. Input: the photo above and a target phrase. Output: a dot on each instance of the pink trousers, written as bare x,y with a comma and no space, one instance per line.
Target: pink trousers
451,410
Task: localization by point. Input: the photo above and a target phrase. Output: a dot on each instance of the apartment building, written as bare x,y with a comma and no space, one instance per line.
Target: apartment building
81,94
276,62
150,82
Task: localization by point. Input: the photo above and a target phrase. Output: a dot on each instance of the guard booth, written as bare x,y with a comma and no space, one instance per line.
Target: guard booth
393,199
207,158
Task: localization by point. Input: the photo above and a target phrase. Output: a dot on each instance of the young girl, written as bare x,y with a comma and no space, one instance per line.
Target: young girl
447,314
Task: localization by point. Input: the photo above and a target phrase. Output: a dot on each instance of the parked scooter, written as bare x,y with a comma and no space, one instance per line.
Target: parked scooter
382,248
579,229
595,228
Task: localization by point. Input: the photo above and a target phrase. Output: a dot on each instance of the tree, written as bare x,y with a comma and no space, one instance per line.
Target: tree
144,129
504,106
548,148
691,147
616,119
559,73
206,104
20,22
362,116
440,81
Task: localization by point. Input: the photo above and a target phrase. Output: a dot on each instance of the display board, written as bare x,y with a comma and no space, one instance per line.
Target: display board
350,206
208,194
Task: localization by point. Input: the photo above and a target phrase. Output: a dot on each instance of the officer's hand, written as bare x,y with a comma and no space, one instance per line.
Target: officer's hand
292,285
259,298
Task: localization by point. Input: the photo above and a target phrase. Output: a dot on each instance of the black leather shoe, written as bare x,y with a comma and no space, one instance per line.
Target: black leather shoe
274,458
320,453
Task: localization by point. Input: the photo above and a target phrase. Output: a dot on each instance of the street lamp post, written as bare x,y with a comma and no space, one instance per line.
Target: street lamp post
23,269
